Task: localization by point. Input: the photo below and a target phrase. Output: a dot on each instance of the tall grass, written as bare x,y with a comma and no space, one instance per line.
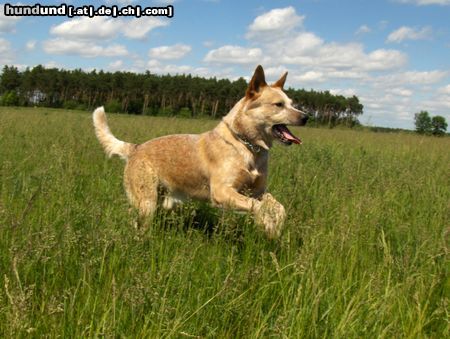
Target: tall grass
364,252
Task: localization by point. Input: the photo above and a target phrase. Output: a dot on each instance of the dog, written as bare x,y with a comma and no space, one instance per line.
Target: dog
227,166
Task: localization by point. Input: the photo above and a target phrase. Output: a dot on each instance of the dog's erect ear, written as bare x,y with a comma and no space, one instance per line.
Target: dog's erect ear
257,83
280,82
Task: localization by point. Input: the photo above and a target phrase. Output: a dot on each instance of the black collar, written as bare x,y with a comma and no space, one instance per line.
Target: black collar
252,147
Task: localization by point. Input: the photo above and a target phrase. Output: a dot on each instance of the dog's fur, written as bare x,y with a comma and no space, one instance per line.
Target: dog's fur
227,165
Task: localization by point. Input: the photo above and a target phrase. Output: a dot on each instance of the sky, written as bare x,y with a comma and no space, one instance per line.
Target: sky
394,55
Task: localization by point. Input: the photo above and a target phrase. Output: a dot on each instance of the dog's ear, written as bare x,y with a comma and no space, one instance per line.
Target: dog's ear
280,82
257,83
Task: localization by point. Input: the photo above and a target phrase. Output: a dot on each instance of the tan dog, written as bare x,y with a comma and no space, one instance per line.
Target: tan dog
227,165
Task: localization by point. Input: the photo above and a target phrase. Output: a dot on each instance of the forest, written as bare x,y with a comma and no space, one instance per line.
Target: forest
151,94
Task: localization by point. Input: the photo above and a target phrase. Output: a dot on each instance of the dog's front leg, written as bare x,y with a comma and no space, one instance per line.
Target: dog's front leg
267,212
228,197
271,215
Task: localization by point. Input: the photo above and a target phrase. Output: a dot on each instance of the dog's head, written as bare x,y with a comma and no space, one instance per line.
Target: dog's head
267,110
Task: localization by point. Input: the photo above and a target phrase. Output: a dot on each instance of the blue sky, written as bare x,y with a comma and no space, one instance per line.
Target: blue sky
393,54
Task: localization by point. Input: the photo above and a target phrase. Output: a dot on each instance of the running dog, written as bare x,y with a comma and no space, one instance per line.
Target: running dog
227,165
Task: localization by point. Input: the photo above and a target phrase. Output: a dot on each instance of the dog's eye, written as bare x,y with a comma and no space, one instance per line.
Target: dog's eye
279,104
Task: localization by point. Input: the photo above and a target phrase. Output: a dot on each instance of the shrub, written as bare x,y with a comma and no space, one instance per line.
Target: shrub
10,98
113,106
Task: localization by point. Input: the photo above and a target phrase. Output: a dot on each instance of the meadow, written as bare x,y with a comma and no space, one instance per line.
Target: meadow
364,252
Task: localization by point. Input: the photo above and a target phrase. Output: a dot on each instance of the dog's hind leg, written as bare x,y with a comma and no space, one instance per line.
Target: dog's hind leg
141,184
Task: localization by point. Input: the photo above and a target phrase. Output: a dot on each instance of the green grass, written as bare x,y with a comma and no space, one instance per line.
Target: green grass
364,252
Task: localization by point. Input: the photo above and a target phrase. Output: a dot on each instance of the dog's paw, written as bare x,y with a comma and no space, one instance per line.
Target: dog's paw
270,214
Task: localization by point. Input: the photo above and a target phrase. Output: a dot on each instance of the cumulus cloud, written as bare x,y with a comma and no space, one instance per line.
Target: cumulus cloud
310,77
281,34
87,28
115,65
7,23
120,2
413,78
82,36
409,33
234,55
85,49
139,28
363,29
53,64
156,66
30,45
101,28
403,92
444,90
314,52
173,52
6,52
346,92
320,64
426,2
275,23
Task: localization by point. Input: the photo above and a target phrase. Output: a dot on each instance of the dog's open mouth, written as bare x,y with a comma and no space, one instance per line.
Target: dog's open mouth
282,133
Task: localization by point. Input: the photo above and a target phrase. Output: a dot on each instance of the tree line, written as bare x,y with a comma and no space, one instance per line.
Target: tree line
151,94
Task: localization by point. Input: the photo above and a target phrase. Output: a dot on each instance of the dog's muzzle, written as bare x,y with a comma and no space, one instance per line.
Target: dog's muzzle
284,135
303,119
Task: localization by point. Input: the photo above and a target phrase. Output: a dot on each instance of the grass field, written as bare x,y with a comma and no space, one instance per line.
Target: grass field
364,252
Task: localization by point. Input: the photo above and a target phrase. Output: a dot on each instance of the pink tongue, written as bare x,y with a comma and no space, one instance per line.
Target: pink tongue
289,136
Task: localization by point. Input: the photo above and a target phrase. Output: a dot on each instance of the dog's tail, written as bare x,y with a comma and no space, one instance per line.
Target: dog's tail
110,143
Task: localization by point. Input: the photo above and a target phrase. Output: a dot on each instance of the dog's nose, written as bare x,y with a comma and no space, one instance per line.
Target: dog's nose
303,120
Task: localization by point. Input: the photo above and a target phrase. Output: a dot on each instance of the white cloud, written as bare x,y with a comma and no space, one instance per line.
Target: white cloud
316,61
444,90
346,92
138,28
30,45
208,43
413,78
274,72
53,64
306,42
120,2
286,41
234,55
426,2
82,48
363,29
7,23
6,52
173,69
155,66
95,28
164,2
403,92
277,22
115,65
409,33
338,56
310,77
384,59
177,51
101,28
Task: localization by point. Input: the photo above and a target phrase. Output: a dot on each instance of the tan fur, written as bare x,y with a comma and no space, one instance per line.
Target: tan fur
218,165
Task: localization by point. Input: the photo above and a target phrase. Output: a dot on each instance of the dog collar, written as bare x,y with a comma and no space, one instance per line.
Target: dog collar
252,147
